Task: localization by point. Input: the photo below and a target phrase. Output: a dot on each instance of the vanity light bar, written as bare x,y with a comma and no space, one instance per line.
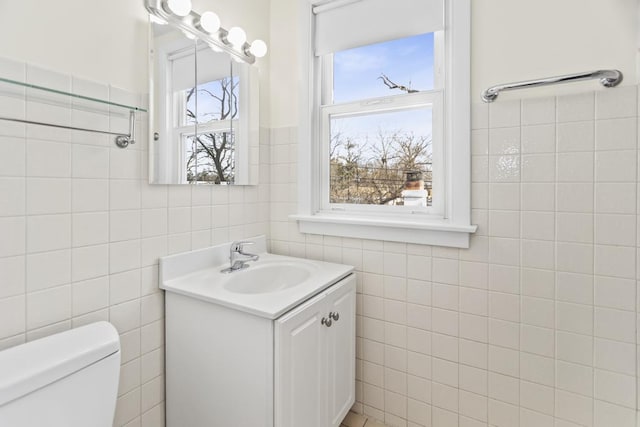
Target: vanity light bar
203,28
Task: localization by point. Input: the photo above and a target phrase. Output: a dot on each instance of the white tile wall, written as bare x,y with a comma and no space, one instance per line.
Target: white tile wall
535,324
81,230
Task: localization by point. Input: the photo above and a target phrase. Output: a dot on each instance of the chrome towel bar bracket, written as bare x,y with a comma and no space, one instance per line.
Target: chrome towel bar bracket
608,78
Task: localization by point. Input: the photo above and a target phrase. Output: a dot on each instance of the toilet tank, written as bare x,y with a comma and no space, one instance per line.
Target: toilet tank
65,380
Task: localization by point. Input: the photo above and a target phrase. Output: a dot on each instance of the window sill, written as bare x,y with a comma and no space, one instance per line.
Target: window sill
437,233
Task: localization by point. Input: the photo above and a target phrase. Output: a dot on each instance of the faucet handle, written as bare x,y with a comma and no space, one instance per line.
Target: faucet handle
238,245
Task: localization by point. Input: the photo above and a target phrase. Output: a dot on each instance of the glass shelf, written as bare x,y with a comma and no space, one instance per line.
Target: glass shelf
73,95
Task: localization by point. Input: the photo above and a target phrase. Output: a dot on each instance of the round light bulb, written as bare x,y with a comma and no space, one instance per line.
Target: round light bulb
210,22
258,48
236,36
179,7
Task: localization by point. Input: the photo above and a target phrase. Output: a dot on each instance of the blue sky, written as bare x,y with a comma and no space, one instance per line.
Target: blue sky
407,61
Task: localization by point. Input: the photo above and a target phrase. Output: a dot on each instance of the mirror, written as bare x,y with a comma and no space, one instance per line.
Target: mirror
204,114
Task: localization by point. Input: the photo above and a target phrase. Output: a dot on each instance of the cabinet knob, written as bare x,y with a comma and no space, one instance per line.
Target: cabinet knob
326,322
335,316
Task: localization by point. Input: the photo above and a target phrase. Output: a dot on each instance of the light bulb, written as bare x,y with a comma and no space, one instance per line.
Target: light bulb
179,7
258,48
236,36
210,22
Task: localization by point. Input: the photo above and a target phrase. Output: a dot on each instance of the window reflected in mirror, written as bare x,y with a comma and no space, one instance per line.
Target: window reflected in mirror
205,114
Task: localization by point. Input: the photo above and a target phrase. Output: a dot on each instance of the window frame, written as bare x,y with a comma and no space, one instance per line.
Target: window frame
452,226
181,130
394,103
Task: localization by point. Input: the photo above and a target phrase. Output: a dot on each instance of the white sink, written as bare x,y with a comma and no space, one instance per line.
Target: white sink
267,288
264,277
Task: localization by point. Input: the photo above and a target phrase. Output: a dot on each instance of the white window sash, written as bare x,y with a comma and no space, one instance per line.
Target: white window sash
432,99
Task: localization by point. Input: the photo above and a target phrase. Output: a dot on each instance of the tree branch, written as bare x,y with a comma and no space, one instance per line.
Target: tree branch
392,85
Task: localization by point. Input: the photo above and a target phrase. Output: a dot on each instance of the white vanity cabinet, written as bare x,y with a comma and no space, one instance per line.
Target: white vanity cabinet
230,368
315,360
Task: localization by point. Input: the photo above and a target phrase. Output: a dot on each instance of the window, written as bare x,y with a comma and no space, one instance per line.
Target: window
388,120
378,132
209,157
205,115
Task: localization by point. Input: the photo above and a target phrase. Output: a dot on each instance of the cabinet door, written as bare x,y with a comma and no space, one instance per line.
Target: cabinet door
341,349
300,360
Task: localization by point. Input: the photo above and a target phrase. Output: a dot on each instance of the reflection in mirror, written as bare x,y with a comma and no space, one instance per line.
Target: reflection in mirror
204,113
212,108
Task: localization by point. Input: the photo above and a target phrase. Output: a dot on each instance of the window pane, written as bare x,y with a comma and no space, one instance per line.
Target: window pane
372,71
382,158
217,100
210,158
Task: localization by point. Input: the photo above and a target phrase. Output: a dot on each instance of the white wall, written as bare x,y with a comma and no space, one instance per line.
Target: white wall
511,41
104,41
534,324
516,40
81,230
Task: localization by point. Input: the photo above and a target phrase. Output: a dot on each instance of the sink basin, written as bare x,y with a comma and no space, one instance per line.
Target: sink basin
260,278
267,288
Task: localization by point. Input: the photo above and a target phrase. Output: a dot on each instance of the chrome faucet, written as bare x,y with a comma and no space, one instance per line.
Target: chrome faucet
237,250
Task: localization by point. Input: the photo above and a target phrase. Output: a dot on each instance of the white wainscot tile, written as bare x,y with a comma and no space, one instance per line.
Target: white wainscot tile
575,167
89,262
90,295
616,134
12,316
575,197
615,356
48,195
538,111
576,136
574,287
615,388
90,228
617,102
13,232
90,195
574,378
575,348
48,159
13,199
538,168
616,166
617,198
48,269
49,306
571,108
90,161
616,261
615,324
48,232
12,154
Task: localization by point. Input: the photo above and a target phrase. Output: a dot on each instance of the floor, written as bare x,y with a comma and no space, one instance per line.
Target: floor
356,420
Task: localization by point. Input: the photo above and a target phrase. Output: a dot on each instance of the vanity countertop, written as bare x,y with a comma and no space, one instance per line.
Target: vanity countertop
288,281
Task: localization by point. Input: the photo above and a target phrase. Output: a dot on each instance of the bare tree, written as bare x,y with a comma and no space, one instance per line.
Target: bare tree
379,176
215,148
